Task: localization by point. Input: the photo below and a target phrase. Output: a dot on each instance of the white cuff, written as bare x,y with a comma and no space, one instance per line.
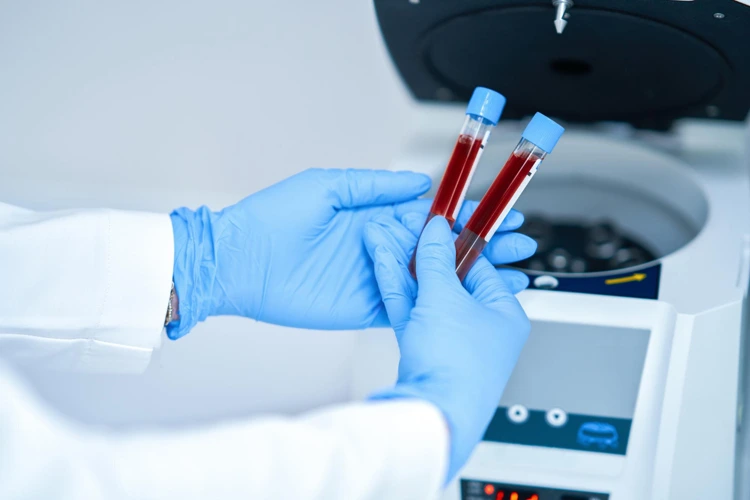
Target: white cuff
139,279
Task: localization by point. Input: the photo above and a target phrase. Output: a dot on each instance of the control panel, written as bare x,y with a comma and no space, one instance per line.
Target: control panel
483,490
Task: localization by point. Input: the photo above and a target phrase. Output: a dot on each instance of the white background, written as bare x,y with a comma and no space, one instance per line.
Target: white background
155,104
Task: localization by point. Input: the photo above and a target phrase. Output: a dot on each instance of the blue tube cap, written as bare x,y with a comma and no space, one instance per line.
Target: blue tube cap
543,132
486,104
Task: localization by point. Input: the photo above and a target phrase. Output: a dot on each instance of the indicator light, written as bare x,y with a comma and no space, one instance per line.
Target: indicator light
489,489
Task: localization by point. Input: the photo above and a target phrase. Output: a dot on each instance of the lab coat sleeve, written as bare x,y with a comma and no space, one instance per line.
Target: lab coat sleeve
83,290
387,450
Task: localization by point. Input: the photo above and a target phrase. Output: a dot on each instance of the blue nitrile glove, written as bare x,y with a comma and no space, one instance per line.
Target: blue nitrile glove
458,345
292,254
504,247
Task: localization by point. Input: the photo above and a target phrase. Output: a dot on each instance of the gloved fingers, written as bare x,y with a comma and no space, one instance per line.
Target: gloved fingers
503,248
517,281
421,206
391,276
352,188
387,232
395,236
490,287
381,319
414,222
436,255
512,221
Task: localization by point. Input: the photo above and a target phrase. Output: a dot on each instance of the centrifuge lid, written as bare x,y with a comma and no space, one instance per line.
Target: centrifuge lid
644,63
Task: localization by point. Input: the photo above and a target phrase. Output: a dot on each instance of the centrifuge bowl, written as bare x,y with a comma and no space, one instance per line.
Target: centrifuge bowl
648,195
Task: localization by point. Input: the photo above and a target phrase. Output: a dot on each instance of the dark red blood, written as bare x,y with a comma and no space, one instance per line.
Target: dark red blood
456,175
469,247
501,192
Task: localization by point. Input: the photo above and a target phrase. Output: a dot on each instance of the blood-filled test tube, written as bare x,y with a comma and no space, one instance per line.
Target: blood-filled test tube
538,139
482,114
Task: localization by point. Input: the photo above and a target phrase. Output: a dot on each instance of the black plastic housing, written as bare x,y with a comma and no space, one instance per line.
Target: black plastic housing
643,62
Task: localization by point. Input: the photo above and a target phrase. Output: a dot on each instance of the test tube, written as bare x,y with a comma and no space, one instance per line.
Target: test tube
538,139
482,114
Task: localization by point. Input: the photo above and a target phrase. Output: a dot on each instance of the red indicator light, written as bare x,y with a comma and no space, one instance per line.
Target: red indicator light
514,496
489,489
500,495
534,497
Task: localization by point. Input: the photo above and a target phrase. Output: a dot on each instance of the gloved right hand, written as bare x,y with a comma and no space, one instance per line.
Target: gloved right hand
458,345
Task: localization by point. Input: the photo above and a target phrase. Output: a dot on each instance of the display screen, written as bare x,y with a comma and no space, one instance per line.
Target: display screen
575,387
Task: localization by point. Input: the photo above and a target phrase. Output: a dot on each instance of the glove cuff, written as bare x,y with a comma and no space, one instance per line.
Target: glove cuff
194,267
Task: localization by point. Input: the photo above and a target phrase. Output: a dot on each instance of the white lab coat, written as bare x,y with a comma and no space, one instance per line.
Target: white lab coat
87,290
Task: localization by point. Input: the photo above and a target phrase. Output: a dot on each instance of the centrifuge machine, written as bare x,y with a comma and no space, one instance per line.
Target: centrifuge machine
631,383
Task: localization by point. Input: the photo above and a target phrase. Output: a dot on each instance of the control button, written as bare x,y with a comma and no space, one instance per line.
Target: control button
601,435
518,414
556,417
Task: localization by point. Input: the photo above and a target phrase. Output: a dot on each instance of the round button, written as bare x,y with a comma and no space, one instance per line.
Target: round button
518,414
546,282
556,417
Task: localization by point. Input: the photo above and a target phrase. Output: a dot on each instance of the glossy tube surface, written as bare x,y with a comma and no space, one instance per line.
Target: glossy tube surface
458,173
496,204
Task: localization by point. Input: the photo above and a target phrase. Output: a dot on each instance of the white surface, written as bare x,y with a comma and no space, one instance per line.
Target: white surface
395,449
154,105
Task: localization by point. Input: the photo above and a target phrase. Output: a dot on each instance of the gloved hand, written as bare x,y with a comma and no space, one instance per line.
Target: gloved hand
292,254
458,345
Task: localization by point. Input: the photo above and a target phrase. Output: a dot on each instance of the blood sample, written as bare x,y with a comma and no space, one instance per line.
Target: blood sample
538,139
482,114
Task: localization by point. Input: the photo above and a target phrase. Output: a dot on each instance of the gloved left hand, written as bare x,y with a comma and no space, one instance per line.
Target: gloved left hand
293,254
458,342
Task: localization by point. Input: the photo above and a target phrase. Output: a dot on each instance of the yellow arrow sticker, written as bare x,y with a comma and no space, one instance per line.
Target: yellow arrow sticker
626,279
